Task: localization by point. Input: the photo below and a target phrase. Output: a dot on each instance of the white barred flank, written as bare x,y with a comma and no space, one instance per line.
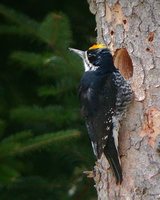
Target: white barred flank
124,94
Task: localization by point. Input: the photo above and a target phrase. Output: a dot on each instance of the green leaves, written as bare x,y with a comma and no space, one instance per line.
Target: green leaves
25,141
29,59
55,31
41,142
25,23
55,116
7,174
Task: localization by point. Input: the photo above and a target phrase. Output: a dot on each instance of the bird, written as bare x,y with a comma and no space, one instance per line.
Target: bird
104,96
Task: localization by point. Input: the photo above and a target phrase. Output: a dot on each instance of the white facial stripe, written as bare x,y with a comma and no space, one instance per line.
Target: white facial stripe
87,65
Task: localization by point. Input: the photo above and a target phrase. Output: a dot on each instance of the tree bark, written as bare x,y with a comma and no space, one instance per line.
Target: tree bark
131,29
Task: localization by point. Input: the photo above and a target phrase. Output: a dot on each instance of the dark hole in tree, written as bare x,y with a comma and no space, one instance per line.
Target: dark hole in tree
112,32
123,62
124,21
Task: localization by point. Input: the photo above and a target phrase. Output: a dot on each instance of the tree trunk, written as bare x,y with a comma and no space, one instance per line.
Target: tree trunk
131,29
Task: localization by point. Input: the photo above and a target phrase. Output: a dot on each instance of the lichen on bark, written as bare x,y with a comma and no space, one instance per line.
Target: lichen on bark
133,26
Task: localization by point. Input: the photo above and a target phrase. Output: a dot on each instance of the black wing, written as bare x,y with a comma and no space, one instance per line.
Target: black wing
98,100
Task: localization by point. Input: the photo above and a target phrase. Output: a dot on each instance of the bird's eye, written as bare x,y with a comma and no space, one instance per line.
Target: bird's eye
91,57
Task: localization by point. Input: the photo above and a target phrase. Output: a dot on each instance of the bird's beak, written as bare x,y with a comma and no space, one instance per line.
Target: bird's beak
77,51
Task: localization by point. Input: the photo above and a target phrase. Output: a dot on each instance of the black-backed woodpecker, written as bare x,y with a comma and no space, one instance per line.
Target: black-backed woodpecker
104,96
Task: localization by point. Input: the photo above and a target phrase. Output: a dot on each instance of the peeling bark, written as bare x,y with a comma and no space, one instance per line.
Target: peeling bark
135,27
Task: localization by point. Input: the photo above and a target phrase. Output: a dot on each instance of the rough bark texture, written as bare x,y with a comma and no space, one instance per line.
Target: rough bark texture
131,29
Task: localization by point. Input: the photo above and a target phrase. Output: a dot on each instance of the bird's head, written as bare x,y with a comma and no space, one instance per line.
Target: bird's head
97,57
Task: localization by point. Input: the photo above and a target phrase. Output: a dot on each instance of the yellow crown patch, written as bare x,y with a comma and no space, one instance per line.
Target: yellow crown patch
98,46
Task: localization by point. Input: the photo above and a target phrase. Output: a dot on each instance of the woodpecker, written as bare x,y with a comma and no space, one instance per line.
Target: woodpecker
104,95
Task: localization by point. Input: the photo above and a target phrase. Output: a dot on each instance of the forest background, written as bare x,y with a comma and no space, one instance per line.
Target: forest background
44,147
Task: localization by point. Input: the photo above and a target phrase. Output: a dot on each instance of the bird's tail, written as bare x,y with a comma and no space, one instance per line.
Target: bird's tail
112,156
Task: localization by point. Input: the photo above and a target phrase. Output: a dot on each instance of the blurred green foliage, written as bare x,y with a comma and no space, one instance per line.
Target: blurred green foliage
43,143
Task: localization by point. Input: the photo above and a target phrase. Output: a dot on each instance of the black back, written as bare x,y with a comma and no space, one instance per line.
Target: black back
97,94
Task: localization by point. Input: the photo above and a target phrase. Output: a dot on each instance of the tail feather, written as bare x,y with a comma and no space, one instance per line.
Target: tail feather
112,156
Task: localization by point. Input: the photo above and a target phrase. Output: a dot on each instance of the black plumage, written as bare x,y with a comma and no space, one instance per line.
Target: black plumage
104,96
97,94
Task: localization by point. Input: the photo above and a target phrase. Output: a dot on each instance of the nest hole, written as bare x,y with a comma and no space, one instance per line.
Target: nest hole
123,62
112,32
